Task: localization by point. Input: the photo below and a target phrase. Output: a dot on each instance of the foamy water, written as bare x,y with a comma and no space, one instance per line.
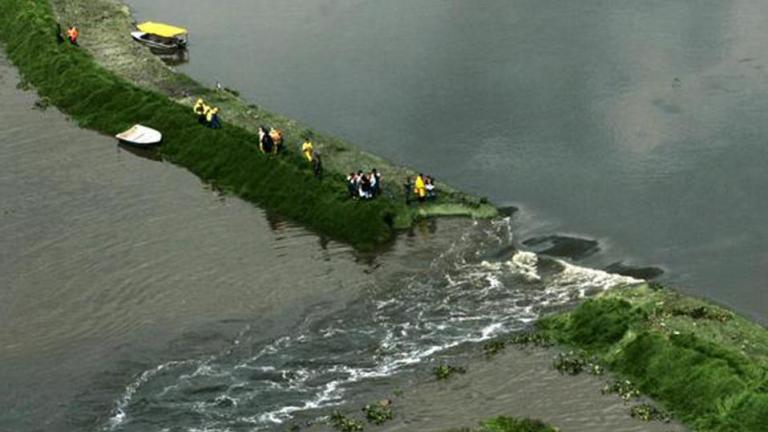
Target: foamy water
395,330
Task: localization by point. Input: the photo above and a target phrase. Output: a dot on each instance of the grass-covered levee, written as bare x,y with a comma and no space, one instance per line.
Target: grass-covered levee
228,158
705,364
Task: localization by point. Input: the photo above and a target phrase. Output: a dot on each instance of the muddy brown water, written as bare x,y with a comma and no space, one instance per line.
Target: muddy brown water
135,298
109,262
518,382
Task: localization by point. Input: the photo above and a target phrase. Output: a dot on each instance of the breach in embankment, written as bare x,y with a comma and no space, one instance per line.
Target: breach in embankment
108,83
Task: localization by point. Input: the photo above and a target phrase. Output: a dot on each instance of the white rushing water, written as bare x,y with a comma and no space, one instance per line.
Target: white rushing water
461,299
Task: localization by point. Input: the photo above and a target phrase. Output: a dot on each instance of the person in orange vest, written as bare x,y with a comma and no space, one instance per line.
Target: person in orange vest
277,138
72,34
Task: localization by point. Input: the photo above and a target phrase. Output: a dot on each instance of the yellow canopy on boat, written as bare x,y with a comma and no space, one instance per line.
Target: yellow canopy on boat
160,29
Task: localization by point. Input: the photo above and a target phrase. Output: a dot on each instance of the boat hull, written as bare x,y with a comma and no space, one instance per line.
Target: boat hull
140,136
143,38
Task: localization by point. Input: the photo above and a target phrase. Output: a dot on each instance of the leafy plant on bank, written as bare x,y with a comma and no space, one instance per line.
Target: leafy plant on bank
444,371
342,423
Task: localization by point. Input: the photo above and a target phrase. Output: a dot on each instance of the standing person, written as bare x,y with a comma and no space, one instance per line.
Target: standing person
365,186
317,165
352,185
373,184
359,183
408,187
200,109
215,123
265,141
277,139
430,185
307,149
376,181
72,34
419,188
208,116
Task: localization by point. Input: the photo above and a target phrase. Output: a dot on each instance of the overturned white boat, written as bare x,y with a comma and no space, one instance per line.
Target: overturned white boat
141,136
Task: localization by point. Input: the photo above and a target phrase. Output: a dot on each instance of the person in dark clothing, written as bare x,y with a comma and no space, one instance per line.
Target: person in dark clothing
365,187
317,164
431,191
265,141
408,189
352,185
215,122
376,180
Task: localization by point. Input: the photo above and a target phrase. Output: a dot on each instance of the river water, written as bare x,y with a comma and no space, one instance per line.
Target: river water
135,298
638,124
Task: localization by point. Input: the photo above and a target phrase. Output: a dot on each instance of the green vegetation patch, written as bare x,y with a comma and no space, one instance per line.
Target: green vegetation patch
573,363
510,424
67,77
104,26
444,371
711,371
379,412
650,412
624,388
494,347
342,423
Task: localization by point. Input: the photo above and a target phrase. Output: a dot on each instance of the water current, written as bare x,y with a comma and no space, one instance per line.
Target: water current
637,124
135,298
466,296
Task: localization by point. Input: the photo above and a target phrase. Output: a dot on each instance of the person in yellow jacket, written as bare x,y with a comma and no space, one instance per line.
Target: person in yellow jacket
420,188
307,149
200,109
214,122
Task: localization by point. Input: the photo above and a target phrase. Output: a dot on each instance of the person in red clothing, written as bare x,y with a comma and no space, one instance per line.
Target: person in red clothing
72,34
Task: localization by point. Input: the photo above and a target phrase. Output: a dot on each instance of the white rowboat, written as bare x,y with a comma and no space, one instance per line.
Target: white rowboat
140,136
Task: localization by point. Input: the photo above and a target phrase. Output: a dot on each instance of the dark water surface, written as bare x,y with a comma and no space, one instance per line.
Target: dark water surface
639,124
135,298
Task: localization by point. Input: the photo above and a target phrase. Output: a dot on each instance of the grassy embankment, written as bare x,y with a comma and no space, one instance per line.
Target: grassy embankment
134,81
702,362
510,424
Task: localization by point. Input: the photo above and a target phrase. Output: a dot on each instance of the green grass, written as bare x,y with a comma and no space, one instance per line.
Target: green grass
704,363
510,424
228,158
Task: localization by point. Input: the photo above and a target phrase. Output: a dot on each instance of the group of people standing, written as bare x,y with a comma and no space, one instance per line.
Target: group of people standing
207,114
270,140
421,187
364,186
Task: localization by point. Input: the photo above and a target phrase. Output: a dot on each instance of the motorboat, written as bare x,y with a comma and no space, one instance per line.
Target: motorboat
161,37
